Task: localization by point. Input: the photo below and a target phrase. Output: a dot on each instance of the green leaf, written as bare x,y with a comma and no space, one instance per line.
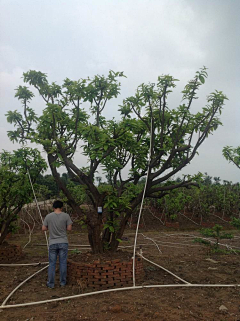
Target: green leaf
202,79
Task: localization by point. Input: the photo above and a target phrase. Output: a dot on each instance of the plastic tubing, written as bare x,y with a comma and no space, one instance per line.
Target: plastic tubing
141,207
24,264
204,238
211,241
37,204
119,289
190,219
156,216
161,267
183,244
152,240
30,232
5,301
147,244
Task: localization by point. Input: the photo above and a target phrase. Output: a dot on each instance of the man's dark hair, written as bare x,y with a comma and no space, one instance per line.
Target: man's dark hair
57,204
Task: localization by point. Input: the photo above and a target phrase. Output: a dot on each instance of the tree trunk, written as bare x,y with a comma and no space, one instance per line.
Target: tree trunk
118,235
64,189
4,232
10,217
114,243
94,220
94,225
94,237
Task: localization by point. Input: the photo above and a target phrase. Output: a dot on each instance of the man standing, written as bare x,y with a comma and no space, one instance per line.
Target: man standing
58,223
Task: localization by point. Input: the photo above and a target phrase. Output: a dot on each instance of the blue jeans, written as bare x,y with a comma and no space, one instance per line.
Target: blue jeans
60,249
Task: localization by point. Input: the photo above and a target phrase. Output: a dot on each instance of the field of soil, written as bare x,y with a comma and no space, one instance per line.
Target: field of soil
176,251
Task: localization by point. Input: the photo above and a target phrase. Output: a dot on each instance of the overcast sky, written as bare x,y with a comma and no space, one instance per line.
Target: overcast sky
143,38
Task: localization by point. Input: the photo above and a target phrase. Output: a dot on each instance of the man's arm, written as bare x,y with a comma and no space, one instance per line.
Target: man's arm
45,224
69,227
69,224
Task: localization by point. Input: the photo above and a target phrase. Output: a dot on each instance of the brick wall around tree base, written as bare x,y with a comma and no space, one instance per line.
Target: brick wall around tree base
104,275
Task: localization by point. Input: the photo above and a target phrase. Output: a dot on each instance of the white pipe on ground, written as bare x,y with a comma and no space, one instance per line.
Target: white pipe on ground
120,289
161,267
141,207
7,298
24,264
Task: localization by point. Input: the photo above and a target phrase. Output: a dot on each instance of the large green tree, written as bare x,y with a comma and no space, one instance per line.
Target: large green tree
115,146
15,188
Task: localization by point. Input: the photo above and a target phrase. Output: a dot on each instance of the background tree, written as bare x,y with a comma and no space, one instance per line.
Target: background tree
232,155
15,188
236,222
48,185
207,179
217,234
114,146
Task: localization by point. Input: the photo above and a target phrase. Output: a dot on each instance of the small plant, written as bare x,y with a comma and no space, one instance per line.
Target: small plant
150,268
236,222
216,233
225,251
202,241
106,246
76,251
173,217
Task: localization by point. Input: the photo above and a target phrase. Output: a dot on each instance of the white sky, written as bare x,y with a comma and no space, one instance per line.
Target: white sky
143,38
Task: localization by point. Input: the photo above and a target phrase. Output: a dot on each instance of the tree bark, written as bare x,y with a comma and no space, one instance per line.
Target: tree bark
6,230
4,233
94,224
62,186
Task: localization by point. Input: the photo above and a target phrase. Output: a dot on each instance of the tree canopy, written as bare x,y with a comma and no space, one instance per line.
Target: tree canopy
15,188
150,137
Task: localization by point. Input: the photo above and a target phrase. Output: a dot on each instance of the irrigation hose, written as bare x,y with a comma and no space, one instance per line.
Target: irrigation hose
103,291
24,264
37,205
152,240
186,284
141,207
7,298
119,289
30,231
161,267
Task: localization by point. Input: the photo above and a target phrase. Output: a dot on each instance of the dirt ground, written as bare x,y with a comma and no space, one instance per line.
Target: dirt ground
177,252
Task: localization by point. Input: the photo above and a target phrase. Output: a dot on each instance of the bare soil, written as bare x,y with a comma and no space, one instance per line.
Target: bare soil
193,262
88,257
